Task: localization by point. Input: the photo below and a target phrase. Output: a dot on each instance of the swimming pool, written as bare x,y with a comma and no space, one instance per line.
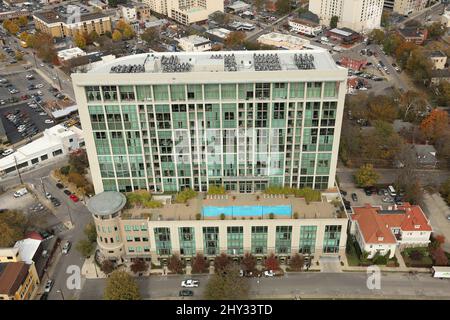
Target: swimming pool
246,211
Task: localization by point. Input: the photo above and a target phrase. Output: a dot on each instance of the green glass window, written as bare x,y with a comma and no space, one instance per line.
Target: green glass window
308,163
323,163
279,90
121,166
106,166
235,240
187,241
246,91
93,93
97,116
297,90
113,117
328,114
313,89
326,139
177,92
307,239
117,142
162,241
211,240
194,92
109,185
144,93
101,143
283,239
161,92
259,240
130,117
229,115
212,91
126,93
228,91
331,239
330,89
321,183
109,93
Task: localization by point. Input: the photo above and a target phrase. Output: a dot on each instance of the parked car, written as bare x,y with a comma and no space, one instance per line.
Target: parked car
66,247
21,192
67,192
48,121
354,197
48,285
74,198
60,185
269,273
186,293
190,283
343,193
388,200
48,195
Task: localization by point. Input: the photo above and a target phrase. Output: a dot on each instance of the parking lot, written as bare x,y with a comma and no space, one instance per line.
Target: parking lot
38,212
36,116
19,81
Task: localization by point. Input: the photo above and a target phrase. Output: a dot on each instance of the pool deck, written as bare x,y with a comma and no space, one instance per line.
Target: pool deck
313,210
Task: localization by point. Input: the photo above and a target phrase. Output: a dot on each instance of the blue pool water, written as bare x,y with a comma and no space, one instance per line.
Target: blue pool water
244,211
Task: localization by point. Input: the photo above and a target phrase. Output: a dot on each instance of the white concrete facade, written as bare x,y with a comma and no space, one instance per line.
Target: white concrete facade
57,141
358,15
186,11
304,27
327,79
194,43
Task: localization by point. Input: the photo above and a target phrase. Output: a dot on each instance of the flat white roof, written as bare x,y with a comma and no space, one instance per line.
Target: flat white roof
221,61
27,249
341,32
195,40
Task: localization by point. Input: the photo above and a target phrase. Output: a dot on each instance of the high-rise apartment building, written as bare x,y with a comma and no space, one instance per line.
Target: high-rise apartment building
358,15
185,11
405,7
244,120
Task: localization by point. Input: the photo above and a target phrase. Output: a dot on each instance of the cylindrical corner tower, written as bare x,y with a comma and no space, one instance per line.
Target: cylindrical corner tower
106,208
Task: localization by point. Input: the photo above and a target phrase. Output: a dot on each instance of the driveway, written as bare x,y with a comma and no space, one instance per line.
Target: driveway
437,211
330,264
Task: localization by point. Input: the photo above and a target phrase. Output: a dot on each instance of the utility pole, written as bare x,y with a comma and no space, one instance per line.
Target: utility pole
18,171
34,56
60,292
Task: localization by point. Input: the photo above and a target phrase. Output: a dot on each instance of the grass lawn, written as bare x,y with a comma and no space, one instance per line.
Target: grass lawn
417,257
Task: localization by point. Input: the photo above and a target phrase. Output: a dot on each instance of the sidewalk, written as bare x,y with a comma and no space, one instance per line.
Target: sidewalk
90,269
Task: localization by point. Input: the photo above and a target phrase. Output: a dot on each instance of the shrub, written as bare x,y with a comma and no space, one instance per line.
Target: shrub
216,190
64,170
185,195
379,259
295,215
222,216
271,215
198,216
416,255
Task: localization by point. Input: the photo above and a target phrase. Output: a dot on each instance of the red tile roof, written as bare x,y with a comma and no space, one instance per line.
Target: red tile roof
375,224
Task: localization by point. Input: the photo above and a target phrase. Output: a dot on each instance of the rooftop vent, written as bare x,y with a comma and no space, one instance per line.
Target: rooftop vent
304,61
230,62
128,68
266,62
173,64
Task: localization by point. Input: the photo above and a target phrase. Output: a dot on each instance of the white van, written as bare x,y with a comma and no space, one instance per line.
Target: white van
7,152
20,192
391,191
324,39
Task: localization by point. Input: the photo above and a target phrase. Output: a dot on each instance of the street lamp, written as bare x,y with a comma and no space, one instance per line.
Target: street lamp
18,171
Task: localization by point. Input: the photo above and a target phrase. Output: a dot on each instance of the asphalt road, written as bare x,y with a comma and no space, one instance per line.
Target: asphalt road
68,210
306,284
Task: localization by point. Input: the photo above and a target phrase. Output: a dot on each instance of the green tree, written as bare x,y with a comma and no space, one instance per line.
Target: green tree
377,35
107,266
296,262
436,30
18,55
116,36
121,286
93,35
91,232
283,6
128,32
227,285
418,65
13,225
411,105
78,161
139,265
259,4
382,108
150,36
366,176
248,262
22,21
334,22
221,262
174,264
199,264
80,40
445,190
384,144
85,247
234,39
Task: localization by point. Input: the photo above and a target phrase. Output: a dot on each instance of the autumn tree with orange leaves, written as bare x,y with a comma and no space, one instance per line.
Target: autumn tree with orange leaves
435,125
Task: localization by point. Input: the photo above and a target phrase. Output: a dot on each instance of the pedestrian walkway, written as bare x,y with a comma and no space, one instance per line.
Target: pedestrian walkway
400,260
90,269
